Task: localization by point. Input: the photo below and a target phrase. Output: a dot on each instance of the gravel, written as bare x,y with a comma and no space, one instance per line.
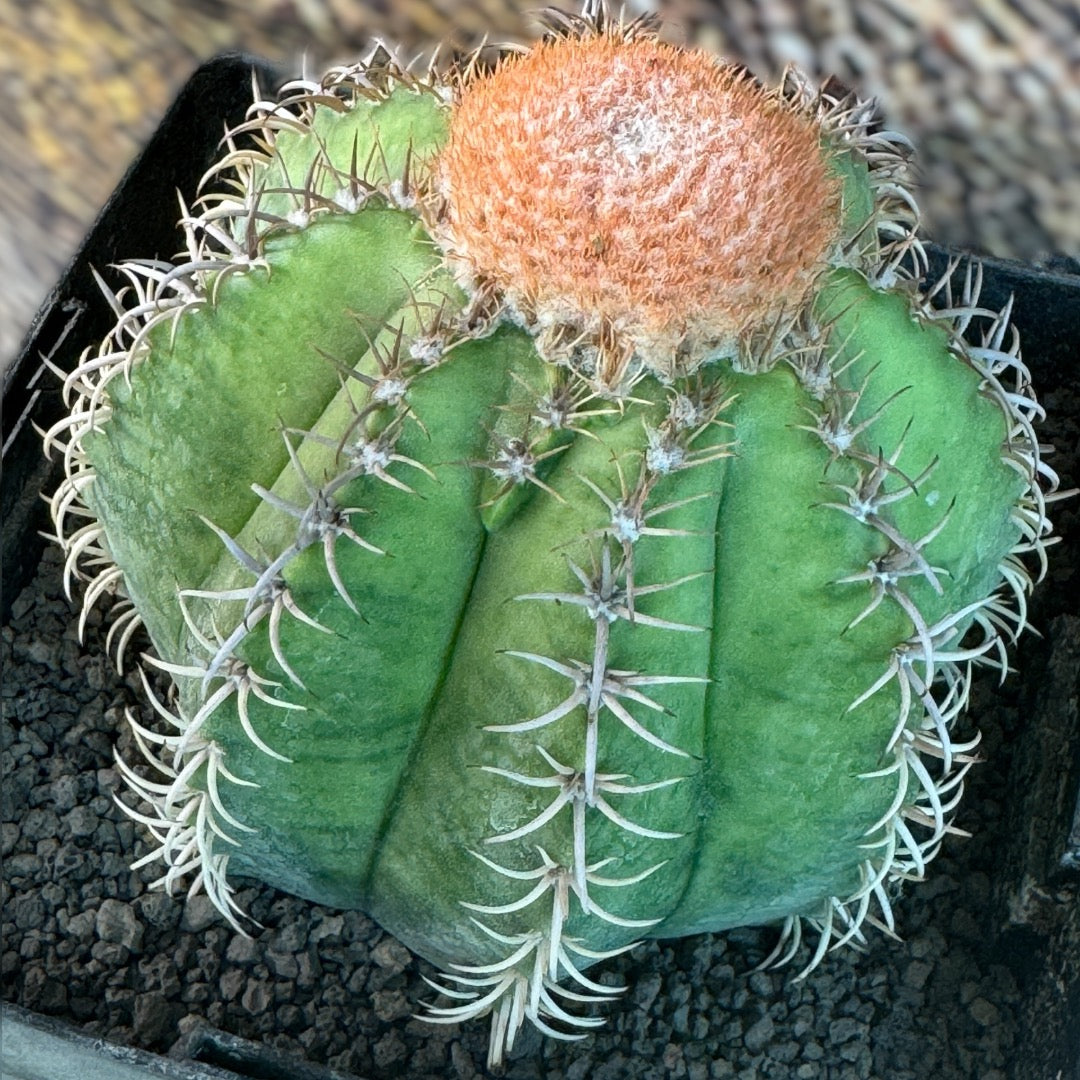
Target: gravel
970,992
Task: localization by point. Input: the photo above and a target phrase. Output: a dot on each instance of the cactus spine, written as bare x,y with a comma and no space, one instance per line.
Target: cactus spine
561,515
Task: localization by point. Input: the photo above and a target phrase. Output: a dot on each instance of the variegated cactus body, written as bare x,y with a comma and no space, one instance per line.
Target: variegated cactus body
556,542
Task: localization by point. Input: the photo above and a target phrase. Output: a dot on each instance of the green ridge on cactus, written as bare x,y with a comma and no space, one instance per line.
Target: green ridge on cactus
248,356
348,149
948,418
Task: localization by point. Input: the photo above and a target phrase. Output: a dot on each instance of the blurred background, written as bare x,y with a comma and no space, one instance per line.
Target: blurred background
989,90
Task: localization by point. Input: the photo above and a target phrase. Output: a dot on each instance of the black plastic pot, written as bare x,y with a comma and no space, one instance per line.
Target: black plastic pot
1034,879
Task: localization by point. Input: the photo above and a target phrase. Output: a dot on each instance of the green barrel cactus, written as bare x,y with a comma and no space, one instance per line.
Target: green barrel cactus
562,516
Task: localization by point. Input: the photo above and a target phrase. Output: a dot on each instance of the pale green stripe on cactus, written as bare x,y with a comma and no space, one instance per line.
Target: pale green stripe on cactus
152,513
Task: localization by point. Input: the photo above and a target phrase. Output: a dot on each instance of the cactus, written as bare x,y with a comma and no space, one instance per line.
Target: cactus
560,515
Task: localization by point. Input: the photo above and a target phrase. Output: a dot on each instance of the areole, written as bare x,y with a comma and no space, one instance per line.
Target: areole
551,549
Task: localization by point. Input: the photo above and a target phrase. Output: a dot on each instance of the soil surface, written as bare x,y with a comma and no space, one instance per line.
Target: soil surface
980,986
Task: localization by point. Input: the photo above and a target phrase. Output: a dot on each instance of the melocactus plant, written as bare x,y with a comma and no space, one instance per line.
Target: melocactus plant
561,514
